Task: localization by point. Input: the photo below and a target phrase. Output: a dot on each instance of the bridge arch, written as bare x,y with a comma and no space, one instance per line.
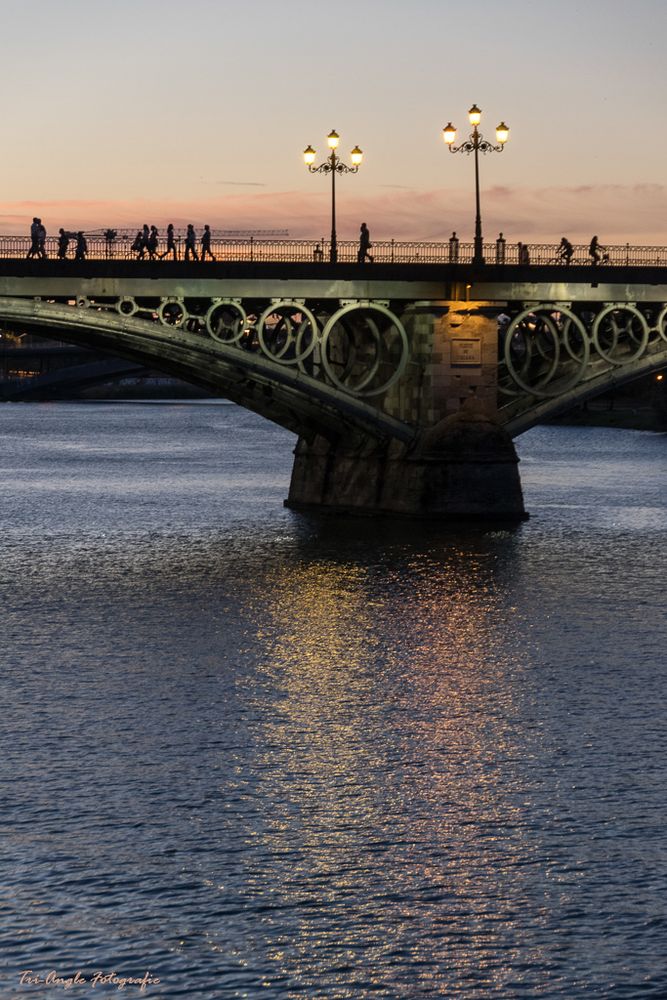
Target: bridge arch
555,356
283,389
390,375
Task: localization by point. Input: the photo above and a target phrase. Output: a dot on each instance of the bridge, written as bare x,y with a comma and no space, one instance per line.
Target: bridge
405,380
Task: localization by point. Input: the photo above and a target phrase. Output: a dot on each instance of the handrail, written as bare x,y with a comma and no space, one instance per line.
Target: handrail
230,248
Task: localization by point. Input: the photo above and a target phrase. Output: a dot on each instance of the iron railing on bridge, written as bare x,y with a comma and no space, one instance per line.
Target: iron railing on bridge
250,249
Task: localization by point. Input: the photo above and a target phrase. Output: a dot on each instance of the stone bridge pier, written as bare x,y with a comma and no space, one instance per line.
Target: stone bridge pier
459,463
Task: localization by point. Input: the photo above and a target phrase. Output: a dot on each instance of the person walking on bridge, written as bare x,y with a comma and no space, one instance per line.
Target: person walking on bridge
63,243
34,239
152,242
41,239
143,241
171,243
191,243
364,244
206,243
81,246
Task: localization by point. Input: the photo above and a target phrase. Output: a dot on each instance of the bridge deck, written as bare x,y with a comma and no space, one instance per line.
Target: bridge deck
397,271
393,281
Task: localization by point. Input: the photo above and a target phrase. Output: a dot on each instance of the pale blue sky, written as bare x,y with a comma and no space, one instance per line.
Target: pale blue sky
188,104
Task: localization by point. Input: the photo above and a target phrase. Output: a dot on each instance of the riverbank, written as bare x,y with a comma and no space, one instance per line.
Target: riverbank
601,414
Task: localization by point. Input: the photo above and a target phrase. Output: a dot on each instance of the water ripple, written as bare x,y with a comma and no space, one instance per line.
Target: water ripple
252,752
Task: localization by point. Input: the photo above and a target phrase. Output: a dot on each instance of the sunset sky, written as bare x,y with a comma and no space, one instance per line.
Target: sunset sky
119,112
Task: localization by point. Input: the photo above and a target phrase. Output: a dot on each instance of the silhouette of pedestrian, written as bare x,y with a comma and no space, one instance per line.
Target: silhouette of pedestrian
595,251
34,239
206,243
143,242
81,247
453,249
136,243
171,243
500,249
364,244
152,242
63,244
565,250
41,239
191,243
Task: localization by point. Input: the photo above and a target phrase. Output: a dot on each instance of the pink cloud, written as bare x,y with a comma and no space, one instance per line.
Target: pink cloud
617,213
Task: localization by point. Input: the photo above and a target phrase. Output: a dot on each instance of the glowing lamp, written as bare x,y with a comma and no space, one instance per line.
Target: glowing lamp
502,133
449,133
309,155
475,116
356,156
333,139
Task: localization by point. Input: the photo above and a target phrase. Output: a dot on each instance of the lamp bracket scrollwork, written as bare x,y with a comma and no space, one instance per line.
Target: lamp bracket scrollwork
477,141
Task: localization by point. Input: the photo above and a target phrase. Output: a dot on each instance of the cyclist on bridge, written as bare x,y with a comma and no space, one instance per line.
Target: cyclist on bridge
565,250
595,252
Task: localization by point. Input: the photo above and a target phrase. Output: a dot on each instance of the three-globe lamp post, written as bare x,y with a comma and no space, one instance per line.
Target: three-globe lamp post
476,144
333,165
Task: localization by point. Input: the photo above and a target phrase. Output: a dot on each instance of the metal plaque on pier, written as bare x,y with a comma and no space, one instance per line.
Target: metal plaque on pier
466,352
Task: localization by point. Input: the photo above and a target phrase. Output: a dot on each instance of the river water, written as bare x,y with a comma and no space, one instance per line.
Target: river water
251,753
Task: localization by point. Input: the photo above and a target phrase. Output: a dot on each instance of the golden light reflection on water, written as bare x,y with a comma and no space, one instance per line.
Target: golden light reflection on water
393,730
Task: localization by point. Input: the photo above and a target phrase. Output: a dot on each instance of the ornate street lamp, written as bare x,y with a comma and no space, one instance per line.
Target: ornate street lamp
476,144
333,165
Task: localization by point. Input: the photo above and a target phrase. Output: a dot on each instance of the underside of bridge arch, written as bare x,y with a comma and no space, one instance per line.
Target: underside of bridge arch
556,356
290,399
527,412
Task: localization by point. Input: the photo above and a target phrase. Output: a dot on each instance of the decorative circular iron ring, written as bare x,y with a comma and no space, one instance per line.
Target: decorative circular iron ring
537,346
172,312
568,327
661,323
575,322
226,305
619,307
351,361
402,362
531,344
127,307
300,352
375,367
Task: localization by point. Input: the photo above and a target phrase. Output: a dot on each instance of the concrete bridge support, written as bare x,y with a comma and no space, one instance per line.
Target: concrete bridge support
460,464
